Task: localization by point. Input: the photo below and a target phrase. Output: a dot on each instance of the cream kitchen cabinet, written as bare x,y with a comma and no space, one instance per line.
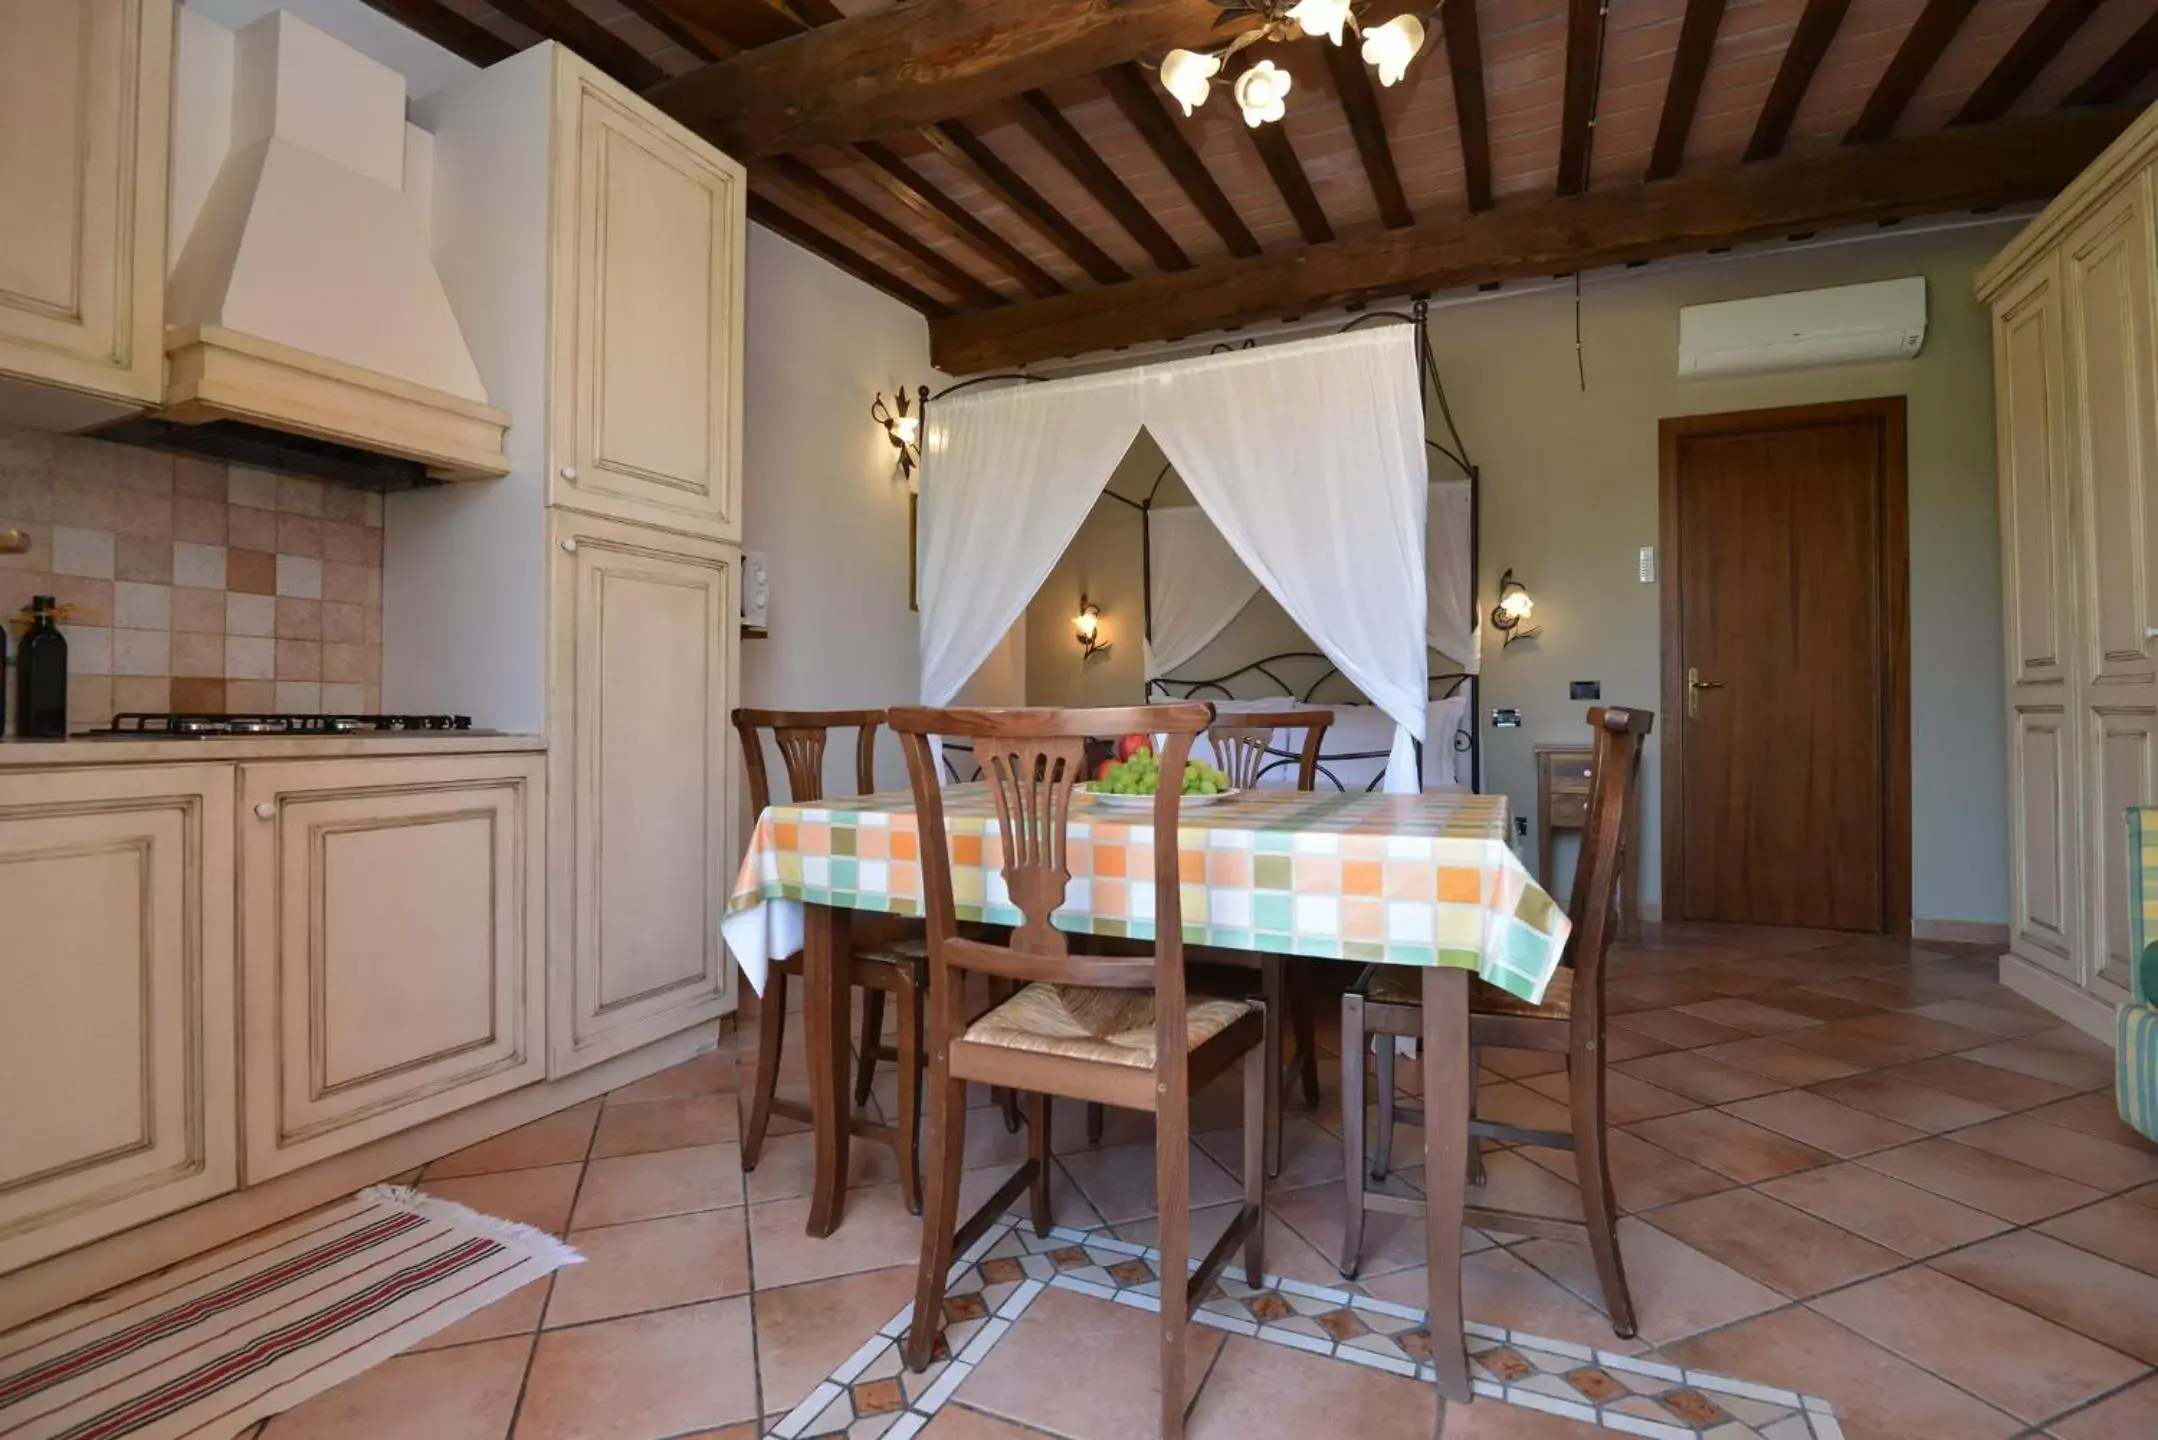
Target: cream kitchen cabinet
116,1038
85,96
645,416
390,945
644,639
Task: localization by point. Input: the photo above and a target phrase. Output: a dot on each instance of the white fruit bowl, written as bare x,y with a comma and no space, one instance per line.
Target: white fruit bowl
1146,802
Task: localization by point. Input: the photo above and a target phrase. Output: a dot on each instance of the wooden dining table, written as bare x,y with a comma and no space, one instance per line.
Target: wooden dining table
1427,880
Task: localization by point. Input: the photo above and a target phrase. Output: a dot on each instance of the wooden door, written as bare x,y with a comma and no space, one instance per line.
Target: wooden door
1786,770
645,629
391,953
648,239
2031,414
2107,270
85,95
116,1038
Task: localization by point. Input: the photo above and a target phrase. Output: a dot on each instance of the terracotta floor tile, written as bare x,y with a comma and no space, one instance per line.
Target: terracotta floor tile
673,1123
1489,1419
1118,1180
1047,1371
1536,1104
1778,1061
957,1422
1067,1203
2130,1415
2097,1113
1822,1123
1750,1016
661,1182
1626,1098
517,1313
2109,1303
1619,1045
1885,1093
2027,1056
1906,1219
1657,992
1499,1288
1910,1028
2058,1150
644,1377
787,1167
1310,1154
531,1197
1987,1084
2120,1229
709,1073
558,1139
1288,1254
1258,1389
804,1331
2001,1353
1512,1182
1729,1145
1773,1243
1819,1004
1992,1019
1677,1290
1676,1027
1643,1175
875,1233
1391,1242
1520,1064
1993,1184
1692,1074
468,1393
1877,1395
2148,1195
651,1264
1855,1047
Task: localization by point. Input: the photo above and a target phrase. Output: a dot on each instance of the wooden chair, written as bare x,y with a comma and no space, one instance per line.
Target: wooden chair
887,959
1117,1030
1570,1021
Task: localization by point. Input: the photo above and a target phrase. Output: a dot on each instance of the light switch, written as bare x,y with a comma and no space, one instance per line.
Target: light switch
1648,564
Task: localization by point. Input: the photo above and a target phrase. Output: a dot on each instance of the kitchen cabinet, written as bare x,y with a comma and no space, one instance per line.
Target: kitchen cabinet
116,1041
646,410
391,945
644,642
85,99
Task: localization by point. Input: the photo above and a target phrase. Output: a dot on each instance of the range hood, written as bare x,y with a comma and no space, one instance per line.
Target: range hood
307,330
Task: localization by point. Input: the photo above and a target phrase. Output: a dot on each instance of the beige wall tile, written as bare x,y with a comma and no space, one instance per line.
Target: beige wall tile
137,606
142,652
250,657
201,611
141,692
299,576
254,488
76,551
198,564
139,557
198,655
251,529
298,619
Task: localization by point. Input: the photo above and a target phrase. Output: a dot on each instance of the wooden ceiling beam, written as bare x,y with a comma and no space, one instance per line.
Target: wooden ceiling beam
1584,67
967,152
2008,162
2122,71
1914,59
1271,141
1367,126
805,179
2033,50
906,185
1038,115
1465,60
467,39
906,65
1689,66
562,21
1141,104
693,38
748,24
1817,26
784,222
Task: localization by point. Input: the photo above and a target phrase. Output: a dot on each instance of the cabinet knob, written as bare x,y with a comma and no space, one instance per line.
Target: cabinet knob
569,472
266,811
569,545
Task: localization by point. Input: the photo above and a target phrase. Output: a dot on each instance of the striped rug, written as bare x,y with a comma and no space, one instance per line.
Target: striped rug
209,1347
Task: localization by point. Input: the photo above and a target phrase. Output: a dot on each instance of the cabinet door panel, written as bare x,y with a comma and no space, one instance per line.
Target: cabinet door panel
645,635
2122,764
649,245
2041,840
390,945
2030,396
116,1044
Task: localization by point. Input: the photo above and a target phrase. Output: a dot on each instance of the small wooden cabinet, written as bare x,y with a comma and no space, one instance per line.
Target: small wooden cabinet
1562,803
644,634
646,406
85,96
116,1036
391,945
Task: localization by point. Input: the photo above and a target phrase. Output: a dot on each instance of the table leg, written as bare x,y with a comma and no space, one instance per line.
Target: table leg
827,986
1446,1163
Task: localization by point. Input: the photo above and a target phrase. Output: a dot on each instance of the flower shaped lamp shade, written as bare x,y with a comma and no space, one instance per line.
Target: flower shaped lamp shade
1262,93
1389,48
1187,75
1262,89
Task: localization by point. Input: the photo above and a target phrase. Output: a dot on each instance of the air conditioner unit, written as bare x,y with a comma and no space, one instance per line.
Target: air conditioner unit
1885,320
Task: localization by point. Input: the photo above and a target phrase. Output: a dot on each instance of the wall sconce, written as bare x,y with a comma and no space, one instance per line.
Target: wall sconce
1087,626
903,429
1514,607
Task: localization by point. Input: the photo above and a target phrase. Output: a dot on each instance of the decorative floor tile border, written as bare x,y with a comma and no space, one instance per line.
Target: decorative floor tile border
873,1396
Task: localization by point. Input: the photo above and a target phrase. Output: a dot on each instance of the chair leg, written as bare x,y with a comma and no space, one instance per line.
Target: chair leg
771,1032
1038,1147
1599,1206
909,1118
872,1035
1096,1114
940,1214
1385,1087
1307,1043
1476,1146
1172,1197
1353,1160
1274,992
1261,1094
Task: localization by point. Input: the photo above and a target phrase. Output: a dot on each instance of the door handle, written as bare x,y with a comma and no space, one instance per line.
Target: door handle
1694,686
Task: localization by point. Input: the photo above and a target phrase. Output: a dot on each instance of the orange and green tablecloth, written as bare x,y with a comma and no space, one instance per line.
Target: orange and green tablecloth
1400,879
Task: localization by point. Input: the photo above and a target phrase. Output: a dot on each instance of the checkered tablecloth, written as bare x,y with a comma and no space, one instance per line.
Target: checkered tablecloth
1402,879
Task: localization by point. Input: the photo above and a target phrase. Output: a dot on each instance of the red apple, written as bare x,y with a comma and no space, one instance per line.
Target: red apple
1101,771
1130,745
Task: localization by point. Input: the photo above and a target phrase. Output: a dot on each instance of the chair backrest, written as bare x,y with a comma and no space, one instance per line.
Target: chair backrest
801,736
1032,760
1614,784
1241,741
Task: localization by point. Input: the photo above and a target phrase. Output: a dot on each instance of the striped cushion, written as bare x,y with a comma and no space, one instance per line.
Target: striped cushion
2136,1086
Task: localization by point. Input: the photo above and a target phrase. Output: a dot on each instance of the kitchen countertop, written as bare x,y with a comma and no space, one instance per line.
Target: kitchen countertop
79,751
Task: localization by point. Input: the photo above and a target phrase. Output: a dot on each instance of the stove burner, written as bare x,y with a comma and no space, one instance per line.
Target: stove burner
139,725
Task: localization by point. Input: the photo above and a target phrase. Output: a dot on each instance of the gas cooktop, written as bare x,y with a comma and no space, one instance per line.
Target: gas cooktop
134,726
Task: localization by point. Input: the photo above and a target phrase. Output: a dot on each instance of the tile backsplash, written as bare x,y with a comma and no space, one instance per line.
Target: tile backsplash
194,585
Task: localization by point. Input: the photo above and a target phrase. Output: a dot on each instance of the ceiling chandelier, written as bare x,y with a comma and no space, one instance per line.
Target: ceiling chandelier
1262,89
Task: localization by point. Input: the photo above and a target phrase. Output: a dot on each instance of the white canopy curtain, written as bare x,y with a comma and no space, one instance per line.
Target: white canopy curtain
1308,458
1197,586
1450,602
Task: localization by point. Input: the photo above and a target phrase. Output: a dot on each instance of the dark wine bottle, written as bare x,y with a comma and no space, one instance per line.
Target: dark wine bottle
41,677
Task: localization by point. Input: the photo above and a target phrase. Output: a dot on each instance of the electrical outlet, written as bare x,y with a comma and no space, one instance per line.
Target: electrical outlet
1505,717
1648,564
1521,827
